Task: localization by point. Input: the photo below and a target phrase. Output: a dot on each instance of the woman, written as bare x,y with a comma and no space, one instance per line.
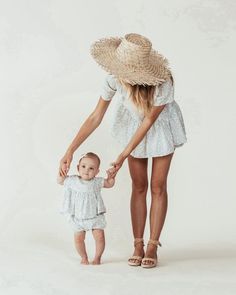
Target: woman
147,122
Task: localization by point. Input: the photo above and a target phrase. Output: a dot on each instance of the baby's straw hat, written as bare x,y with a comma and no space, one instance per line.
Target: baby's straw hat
132,59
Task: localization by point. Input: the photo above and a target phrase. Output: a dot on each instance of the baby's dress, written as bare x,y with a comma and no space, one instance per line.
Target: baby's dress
82,204
166,133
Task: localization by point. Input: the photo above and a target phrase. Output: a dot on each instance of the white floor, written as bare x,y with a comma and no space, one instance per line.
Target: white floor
39,268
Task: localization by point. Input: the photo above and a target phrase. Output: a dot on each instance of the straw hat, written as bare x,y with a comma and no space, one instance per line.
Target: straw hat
132,59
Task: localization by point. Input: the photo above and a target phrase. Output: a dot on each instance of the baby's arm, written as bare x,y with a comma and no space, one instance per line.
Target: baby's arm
60,179
109,181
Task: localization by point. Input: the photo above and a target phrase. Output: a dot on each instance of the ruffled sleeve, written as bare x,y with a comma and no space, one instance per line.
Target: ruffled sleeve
69,180
67,207
109,88
165,94
98,183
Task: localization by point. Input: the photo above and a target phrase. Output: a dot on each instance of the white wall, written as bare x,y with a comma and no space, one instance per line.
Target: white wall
50,83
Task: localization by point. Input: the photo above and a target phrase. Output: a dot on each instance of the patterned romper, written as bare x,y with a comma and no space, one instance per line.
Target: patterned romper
83,205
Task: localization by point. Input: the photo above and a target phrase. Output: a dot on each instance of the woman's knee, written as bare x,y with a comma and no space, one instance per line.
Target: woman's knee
158,188
140,187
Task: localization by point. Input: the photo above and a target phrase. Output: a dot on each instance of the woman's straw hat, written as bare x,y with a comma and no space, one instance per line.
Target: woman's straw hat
132,59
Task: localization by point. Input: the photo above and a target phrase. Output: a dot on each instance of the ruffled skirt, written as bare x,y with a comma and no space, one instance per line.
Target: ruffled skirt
166,133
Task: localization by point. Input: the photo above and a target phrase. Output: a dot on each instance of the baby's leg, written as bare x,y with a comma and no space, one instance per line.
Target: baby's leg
80,246
100,244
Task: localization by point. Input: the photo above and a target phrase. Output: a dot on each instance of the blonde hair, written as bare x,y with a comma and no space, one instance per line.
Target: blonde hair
142,96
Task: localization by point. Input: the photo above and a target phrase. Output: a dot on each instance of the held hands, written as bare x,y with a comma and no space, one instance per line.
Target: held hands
117,165
65,164
110,180
110,172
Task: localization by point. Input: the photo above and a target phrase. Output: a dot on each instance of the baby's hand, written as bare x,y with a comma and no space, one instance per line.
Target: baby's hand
110,173
110,180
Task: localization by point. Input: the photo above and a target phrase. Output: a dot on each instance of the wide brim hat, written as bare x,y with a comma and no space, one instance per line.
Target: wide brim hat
131,59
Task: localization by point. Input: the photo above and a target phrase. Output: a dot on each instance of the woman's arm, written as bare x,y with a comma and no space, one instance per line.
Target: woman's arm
90,124
139,135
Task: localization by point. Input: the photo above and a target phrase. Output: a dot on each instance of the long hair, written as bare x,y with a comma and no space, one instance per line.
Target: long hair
142,96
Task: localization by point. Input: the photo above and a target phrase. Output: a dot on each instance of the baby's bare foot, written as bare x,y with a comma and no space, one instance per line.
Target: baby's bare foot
96,261
84,260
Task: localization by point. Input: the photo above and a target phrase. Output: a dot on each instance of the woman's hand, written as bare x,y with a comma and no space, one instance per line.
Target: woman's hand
117,164
65,164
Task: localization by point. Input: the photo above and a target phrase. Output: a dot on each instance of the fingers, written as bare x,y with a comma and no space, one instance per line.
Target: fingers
63,170
111,172
113,175
115,165
65,165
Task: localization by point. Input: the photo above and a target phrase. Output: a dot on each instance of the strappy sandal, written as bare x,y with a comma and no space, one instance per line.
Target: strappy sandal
149,259
137,259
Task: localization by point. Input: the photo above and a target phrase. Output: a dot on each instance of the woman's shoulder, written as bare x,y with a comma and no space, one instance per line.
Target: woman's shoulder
164,93
168,84
112,81
165,87
109,87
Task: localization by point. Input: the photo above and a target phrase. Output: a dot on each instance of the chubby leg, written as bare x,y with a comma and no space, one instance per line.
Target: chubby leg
160,169
79,238
99,237
138,206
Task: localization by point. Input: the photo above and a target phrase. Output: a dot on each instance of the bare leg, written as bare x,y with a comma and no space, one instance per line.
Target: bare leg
138,206
160,169
100,245
80,246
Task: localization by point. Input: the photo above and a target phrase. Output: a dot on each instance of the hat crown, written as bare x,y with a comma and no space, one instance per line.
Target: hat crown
134,49
132,59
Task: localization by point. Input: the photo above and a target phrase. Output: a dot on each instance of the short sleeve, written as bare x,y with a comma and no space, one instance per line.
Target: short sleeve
99,182
165,94
109,88
69,180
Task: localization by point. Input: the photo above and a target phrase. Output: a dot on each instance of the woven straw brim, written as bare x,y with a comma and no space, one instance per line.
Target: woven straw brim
155,71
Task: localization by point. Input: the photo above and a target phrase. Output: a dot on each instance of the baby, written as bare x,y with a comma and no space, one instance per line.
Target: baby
83,204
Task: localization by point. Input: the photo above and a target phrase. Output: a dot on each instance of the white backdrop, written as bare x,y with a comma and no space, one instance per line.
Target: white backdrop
50,84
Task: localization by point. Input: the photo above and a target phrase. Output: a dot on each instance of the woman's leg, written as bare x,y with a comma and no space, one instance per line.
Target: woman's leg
159,201
79,238
99,237
138,206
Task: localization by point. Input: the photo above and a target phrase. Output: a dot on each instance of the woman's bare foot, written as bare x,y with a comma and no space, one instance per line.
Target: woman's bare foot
84,260
96,260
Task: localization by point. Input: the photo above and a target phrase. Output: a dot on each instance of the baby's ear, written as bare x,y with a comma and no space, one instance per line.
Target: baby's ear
98,171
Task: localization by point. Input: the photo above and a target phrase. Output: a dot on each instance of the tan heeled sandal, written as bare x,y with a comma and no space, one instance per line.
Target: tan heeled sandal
137,259
149,259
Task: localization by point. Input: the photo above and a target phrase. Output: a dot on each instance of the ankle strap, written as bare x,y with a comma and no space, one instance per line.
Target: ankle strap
137,241
155,242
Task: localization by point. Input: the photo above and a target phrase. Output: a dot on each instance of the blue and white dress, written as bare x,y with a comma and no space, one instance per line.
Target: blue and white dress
166,133
82,204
